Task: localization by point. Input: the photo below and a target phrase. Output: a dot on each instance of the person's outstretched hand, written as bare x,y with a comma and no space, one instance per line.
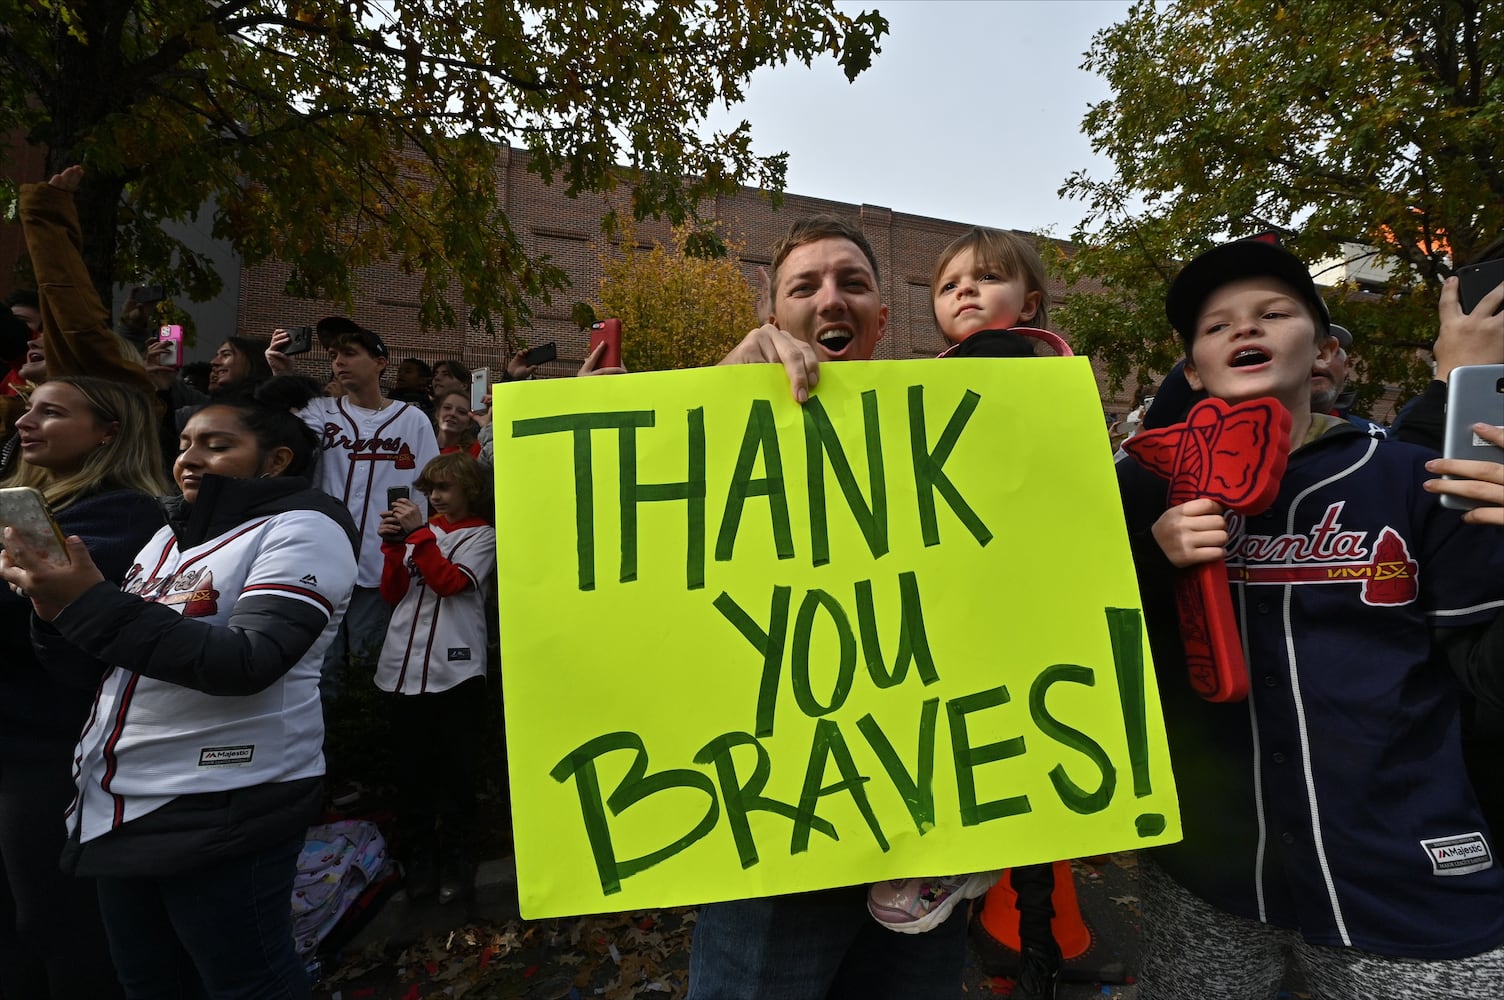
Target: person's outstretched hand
1475,338
279,363
594,358
69,179
31,571
518,368
770,345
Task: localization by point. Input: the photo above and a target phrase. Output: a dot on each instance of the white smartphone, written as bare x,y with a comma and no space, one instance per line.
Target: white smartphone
1475,395
24,509
480,385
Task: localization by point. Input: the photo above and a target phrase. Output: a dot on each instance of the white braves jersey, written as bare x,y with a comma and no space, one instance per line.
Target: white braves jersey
365,453
435,642
148,741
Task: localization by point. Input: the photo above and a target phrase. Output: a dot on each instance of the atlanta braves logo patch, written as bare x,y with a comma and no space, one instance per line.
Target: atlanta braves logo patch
1386,574
195,592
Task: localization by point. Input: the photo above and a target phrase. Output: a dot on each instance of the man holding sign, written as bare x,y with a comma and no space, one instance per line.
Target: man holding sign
828,643
826,307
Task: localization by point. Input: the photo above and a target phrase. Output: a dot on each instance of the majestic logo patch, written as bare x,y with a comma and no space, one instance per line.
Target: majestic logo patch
1385,573
1460,855
225,756
459,653
311,580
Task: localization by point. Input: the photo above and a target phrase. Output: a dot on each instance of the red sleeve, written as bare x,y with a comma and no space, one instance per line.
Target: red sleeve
394,571
442,576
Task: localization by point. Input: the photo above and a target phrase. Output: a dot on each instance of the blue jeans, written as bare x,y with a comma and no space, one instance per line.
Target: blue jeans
222,932
820,946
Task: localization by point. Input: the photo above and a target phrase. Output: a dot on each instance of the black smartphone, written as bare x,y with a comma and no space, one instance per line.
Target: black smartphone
395,493
1475,395
299,340
1477,280
541,355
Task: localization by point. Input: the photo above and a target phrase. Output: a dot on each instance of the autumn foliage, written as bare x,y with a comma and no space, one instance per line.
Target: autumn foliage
678,309
335,134
1339,124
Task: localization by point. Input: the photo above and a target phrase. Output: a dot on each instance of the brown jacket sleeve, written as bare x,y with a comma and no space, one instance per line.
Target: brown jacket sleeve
76,330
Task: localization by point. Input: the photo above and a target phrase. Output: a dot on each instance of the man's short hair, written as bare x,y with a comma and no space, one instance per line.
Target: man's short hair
421,365
812,229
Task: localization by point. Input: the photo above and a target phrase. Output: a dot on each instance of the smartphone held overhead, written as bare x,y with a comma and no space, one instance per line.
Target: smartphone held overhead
1477,280
480,387
608,332
541,355
172,336
299,340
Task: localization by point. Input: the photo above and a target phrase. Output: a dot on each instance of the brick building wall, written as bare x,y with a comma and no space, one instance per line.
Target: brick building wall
568,231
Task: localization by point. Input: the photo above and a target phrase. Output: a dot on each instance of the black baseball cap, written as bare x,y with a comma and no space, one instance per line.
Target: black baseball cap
334,328
1250,258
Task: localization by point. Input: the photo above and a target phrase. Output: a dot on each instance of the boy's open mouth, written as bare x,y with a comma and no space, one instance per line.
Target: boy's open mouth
835,341
1249,356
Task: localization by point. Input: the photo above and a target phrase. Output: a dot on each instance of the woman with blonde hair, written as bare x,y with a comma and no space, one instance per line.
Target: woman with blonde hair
89,446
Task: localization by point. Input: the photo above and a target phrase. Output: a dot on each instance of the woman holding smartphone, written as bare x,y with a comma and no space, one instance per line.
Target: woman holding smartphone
238,366
87,446
202,764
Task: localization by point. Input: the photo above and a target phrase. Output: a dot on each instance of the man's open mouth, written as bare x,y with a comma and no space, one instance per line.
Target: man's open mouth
835,341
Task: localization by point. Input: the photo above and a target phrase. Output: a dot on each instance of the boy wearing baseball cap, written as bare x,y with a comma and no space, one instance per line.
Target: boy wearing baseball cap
370,444
1329,816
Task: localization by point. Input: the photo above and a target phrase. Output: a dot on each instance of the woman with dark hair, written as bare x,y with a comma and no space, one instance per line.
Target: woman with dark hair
239,363
202,765
86,445
237,367
449,375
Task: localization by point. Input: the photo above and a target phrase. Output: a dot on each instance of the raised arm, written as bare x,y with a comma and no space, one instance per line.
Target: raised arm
76,334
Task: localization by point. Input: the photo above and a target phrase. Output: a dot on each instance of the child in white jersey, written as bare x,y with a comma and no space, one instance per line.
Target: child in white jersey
990,300
369,444
434,663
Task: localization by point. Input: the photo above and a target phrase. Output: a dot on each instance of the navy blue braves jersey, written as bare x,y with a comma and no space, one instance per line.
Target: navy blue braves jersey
1335,799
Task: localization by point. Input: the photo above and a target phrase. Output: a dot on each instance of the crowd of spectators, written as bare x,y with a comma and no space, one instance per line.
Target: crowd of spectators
319,539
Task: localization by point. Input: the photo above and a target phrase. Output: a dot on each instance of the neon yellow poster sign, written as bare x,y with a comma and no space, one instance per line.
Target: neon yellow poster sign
751,648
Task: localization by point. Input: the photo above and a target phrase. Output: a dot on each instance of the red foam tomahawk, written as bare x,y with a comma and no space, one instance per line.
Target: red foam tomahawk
1234,454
